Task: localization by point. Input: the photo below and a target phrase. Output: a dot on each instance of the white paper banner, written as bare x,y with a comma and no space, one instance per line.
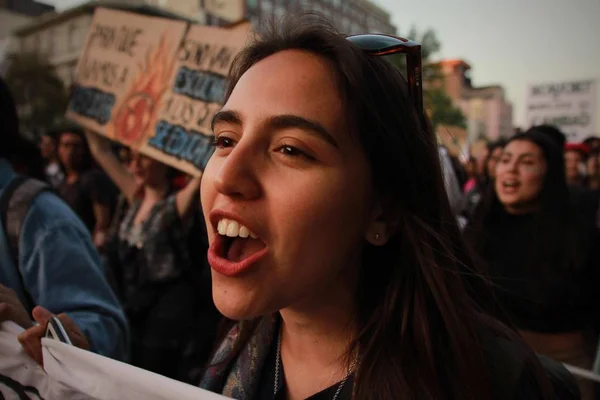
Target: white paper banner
74,374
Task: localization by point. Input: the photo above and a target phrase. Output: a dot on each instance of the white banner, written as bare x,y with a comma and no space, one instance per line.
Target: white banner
74,374
571,106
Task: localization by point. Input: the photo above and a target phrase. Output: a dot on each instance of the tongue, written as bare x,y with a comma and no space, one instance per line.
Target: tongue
240,249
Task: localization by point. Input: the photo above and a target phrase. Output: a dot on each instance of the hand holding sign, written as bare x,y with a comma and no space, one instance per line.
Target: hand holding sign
31,339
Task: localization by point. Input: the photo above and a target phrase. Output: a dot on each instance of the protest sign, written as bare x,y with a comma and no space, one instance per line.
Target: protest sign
571,106
182,134
123,73
146,83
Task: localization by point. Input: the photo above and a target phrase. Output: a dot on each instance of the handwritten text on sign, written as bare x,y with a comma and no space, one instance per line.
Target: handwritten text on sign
122,74
199,83
571,106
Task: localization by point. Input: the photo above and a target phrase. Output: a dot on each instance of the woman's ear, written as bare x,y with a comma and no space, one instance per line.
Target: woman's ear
382,223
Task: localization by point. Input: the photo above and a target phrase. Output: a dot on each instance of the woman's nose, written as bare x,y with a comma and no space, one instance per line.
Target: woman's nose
238,175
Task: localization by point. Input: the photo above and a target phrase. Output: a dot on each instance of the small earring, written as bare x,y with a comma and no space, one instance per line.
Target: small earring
377,236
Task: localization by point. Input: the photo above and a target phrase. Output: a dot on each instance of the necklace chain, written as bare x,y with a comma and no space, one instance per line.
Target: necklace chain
278,367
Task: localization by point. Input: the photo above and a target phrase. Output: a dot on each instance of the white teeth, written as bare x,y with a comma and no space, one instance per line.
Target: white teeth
233,229
230,228
244,232
222,227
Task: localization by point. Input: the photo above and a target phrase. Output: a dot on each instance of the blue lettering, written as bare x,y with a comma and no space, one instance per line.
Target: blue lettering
202,86
176,141
162,134
92,103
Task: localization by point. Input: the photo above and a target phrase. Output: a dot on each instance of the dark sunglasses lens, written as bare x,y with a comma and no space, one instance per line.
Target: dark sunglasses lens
374,42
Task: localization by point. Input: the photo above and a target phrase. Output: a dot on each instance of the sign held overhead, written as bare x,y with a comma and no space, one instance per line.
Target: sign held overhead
571,106
154,85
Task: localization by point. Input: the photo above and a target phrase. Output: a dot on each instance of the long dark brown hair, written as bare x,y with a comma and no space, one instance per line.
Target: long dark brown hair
422,307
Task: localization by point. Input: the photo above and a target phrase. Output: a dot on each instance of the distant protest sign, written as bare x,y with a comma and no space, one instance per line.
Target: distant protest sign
148,83
182,134
571,106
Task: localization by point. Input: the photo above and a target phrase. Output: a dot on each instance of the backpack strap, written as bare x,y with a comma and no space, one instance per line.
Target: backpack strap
14,206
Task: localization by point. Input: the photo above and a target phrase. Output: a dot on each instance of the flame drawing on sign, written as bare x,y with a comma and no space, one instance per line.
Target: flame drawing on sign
140,106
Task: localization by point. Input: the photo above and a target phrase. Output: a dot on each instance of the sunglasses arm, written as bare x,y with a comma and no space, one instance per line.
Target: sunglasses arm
415,78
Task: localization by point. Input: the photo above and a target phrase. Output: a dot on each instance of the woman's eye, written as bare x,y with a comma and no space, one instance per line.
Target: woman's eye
292,151
222,142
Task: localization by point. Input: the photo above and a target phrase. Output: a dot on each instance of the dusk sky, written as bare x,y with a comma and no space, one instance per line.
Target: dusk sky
512,43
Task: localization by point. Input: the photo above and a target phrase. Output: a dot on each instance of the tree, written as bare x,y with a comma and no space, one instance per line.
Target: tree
441,110
438,104
39,93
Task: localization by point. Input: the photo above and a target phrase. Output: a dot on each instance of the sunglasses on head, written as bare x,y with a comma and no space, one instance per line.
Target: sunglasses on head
385,45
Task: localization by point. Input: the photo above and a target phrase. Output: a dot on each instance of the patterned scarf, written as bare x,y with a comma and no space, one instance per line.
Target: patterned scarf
239,379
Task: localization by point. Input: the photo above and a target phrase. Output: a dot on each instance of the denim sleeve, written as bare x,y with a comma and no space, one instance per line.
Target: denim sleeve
62,272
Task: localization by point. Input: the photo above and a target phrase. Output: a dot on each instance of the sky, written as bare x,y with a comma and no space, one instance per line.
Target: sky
512,43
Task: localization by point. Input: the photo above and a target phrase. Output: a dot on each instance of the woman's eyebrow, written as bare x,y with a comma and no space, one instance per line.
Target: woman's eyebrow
294,121
233,117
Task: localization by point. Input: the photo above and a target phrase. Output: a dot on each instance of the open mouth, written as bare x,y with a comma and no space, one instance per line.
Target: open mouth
511,184
235,248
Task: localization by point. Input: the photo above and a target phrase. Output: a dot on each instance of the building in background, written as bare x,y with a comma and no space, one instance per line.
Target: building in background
13,15
488,113
61,36
29,8
349,16
187,8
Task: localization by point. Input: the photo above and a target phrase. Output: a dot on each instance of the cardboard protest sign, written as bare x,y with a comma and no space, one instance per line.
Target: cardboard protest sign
146,83
182,134
123,72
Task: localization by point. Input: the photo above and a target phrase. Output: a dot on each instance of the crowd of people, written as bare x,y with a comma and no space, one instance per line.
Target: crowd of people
331,249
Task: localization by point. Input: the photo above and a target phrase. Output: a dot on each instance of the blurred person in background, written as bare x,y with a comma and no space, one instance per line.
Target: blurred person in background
575,170
162,280
473,197
593,163
451,181
27,160
50,266
593,170
592,142
49,151
495,150
472,175
85,188
124,155
542,256
583,200
553,133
